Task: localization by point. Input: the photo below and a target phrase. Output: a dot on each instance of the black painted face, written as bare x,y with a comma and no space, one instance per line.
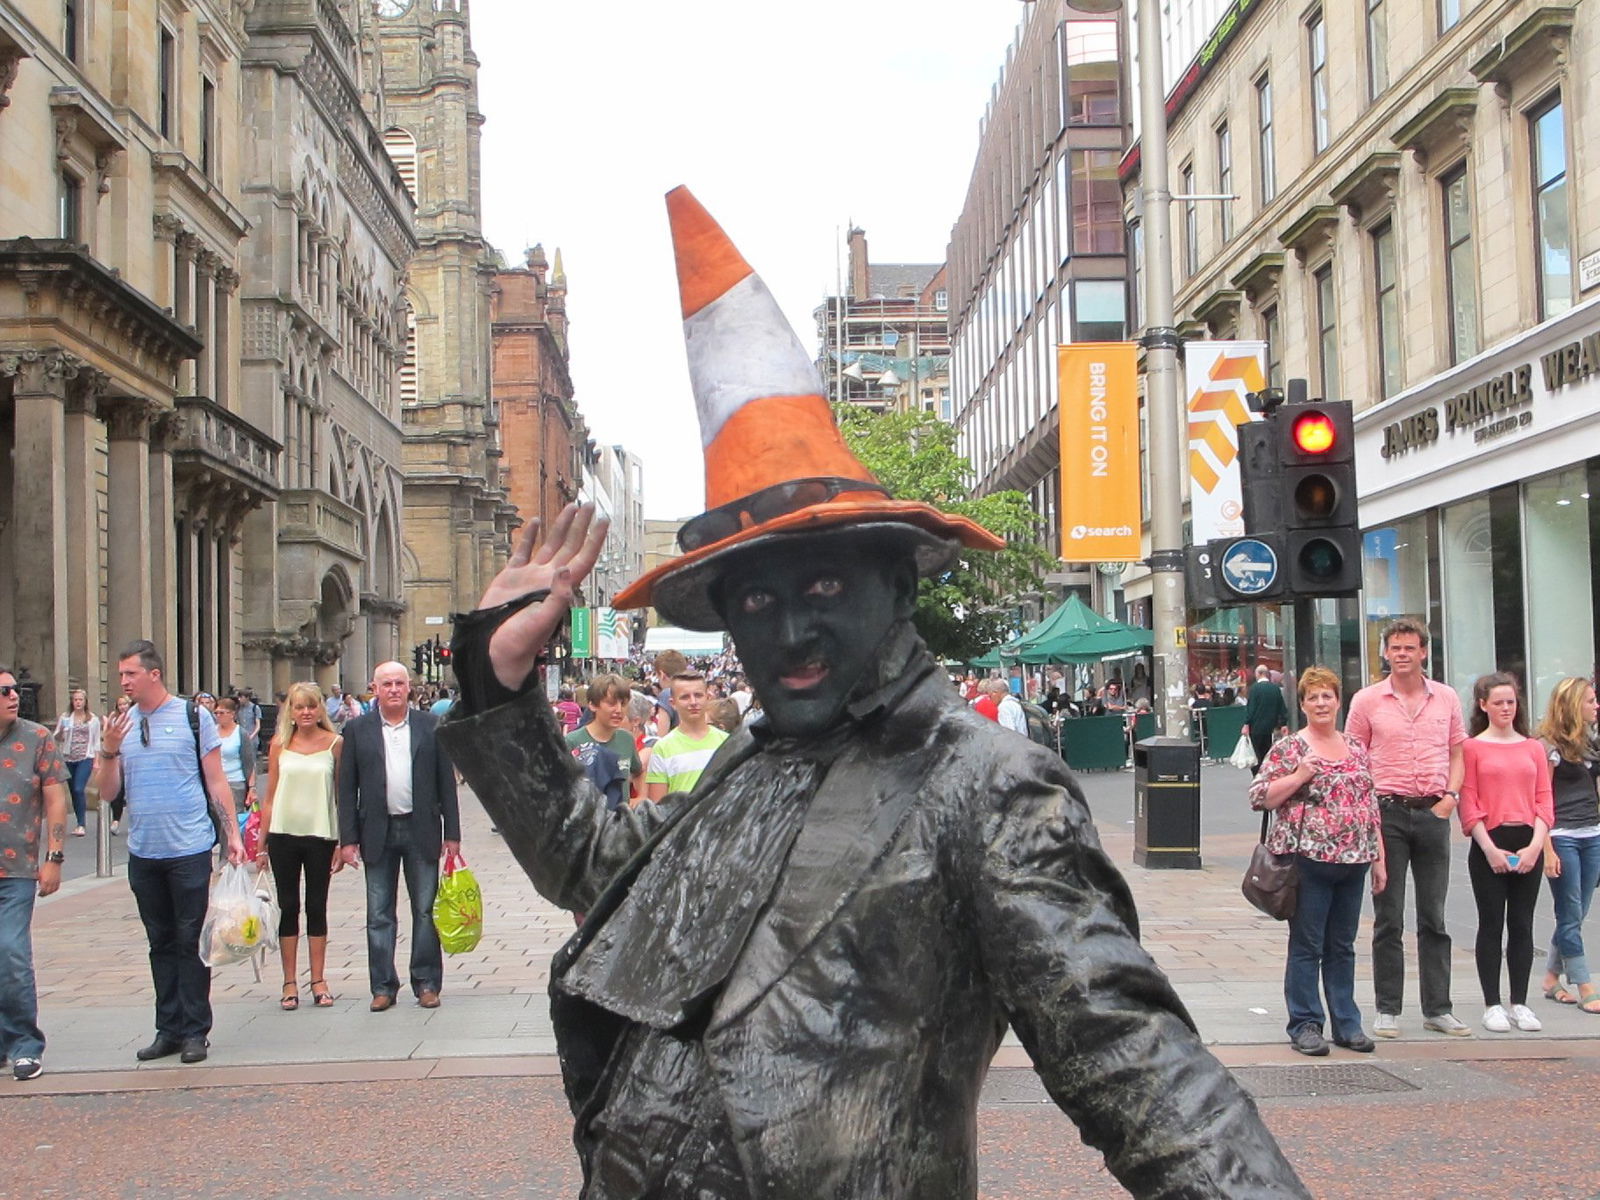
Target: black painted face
807,617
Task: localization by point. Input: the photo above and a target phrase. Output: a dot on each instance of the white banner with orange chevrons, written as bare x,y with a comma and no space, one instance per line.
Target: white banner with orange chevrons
1217,375
1099,452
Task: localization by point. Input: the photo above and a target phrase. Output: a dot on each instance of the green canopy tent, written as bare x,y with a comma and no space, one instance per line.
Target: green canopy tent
1075,633
988,662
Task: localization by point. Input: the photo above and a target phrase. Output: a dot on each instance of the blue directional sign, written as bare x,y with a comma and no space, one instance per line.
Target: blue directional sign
1249,567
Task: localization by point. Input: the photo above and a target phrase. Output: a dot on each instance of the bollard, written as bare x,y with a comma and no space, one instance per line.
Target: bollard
102,835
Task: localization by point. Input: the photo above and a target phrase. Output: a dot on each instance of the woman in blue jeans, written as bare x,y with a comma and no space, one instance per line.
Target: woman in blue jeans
78,739
1320,786
1568,734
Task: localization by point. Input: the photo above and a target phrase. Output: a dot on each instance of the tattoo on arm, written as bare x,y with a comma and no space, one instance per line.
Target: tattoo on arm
58,833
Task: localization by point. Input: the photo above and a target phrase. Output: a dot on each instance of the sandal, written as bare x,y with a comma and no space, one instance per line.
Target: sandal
1559,993
324,998
290,1001
1590,1005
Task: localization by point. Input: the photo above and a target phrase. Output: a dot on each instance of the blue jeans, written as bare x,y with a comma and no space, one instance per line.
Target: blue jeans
78,777
172,894
422,882
1573,890
1322,945
19,1001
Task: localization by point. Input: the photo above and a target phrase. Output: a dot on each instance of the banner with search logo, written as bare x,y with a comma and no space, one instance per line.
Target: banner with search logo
1099,452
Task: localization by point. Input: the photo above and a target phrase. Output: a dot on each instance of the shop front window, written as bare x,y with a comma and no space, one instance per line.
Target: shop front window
1555,542
1469,599
1394,580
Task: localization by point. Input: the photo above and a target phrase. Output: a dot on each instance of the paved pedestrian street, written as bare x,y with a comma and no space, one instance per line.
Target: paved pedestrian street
476,1083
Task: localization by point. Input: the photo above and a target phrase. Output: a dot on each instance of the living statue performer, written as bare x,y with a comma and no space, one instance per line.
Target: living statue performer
789,983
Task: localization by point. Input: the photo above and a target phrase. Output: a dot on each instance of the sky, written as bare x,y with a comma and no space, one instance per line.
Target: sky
788,121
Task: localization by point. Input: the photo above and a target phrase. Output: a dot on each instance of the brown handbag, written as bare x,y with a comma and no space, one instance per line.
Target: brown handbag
1272,881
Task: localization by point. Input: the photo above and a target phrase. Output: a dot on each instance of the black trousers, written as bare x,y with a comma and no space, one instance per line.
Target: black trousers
1505,910
172,894
289,854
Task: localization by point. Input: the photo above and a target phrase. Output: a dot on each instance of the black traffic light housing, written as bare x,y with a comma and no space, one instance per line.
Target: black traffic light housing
1298,478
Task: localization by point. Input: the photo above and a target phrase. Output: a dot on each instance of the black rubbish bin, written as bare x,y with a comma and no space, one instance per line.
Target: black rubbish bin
1166,803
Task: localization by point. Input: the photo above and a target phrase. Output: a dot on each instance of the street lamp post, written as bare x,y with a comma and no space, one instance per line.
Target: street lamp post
1160,343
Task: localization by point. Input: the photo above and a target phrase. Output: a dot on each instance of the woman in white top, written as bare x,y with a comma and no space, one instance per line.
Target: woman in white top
302,833
78,738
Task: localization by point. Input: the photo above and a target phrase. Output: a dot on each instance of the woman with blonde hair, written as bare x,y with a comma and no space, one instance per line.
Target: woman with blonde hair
1573,868
302,833
78,738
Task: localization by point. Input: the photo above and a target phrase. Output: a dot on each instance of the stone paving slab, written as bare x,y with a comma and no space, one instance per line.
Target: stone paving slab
96,1004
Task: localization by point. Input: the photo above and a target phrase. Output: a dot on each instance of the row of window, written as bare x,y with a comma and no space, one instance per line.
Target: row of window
1553,280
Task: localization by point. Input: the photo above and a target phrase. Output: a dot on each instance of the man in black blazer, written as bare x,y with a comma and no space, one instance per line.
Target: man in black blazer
397,807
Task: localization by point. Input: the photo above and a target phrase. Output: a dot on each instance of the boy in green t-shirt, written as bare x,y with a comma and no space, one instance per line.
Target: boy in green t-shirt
681,755
608,701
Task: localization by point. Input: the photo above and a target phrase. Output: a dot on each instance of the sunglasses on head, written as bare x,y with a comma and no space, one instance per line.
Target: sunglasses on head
766,505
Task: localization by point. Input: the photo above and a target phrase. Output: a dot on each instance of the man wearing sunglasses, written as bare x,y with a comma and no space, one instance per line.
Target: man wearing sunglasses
171,770
33,807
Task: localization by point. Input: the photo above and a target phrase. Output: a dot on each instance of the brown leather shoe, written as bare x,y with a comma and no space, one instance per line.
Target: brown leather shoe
382,1003
428,999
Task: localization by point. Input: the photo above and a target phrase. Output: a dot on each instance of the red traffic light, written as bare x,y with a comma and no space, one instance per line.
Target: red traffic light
1314,433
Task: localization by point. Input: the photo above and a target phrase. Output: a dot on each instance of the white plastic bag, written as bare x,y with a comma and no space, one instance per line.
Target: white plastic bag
239,920
1244,754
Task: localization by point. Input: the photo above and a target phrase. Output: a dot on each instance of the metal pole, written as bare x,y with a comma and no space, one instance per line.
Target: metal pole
1161,386
102,836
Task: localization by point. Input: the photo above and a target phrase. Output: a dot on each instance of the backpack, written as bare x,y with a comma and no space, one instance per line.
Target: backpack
192,710
1039,730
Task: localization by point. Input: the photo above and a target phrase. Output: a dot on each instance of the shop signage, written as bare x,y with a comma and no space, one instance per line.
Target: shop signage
1099,452
1498,404
1589,271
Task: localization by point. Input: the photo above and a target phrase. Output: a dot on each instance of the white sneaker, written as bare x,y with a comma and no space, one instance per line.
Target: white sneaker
1523,1016
1447,1023
1386,1025
1496,1021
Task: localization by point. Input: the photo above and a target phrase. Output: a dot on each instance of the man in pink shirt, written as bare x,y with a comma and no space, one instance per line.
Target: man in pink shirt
1413,732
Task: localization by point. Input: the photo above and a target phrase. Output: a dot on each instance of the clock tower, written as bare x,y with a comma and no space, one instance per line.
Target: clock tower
457,519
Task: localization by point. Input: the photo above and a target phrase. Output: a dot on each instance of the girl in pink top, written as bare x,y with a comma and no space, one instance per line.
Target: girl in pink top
1506,810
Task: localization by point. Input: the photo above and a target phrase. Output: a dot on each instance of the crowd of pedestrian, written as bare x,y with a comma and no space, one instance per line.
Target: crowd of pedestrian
350,781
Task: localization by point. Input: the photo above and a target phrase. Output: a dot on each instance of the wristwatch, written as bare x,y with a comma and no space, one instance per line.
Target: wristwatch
1452,794
56,856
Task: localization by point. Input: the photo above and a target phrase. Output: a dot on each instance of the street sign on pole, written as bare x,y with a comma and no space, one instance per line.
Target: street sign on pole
1249,567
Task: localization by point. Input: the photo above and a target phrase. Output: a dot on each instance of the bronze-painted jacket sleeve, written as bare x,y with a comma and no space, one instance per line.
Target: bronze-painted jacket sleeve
1111,1040
552,819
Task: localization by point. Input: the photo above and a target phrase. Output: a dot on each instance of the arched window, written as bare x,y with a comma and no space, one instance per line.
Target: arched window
408,365
402,148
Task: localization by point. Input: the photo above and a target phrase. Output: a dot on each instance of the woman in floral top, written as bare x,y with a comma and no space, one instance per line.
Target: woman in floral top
1320,786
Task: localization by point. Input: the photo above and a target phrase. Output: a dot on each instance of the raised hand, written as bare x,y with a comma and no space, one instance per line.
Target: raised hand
559,562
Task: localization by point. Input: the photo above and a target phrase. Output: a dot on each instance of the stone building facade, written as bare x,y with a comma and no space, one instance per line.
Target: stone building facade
322,346
130,465
458,522
1417,230
541,433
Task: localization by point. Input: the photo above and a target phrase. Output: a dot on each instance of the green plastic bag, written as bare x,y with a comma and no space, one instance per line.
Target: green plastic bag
458,907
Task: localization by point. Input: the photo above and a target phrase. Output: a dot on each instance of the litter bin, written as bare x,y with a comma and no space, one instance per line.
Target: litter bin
1166,803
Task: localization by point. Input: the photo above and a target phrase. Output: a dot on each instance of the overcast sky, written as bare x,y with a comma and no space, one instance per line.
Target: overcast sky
788,121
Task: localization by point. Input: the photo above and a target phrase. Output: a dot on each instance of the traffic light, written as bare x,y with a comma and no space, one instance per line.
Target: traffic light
418,653
444,654
1316,444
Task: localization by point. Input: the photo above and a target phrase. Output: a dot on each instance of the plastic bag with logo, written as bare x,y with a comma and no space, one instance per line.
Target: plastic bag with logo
240,919
458,907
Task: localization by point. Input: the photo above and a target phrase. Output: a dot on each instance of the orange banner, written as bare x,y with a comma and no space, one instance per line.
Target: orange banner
1099,452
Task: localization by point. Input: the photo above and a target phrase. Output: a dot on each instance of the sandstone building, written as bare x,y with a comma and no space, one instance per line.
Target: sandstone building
131,463
458,523
322,344
1417,230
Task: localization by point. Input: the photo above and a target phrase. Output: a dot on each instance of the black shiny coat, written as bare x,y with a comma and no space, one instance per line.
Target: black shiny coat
947,883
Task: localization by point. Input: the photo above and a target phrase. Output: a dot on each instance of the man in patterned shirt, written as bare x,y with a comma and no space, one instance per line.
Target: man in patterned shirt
32,785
